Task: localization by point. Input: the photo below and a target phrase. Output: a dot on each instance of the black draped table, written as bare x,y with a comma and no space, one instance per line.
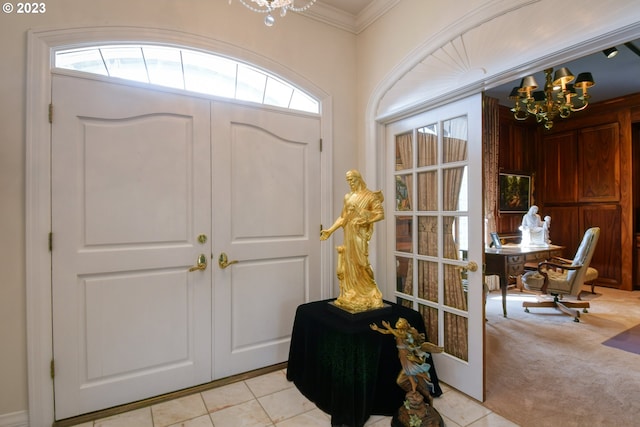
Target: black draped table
348,370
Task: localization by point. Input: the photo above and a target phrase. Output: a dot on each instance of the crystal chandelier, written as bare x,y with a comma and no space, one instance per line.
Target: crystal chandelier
557,98
268,6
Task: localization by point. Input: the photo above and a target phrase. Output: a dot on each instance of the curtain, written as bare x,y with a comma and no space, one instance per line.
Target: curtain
404,160
428,230
456,328
490,148
490,151
453,150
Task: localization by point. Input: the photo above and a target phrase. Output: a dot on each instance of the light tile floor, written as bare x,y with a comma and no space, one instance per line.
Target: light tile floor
270,400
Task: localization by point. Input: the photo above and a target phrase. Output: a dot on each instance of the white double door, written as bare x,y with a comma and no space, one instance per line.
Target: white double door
149,190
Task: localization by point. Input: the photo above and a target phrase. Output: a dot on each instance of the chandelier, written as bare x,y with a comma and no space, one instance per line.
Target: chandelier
558,98
268,6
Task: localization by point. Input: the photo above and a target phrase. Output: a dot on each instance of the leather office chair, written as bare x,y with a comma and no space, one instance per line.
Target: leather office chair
560,277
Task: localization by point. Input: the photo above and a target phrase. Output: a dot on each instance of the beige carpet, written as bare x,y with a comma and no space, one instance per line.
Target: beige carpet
543,369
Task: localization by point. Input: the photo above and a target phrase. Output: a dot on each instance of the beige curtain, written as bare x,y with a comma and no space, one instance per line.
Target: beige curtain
456,330
428,231
490,149
491,169
404,160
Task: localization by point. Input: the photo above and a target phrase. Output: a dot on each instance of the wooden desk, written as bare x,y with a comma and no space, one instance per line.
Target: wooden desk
510,261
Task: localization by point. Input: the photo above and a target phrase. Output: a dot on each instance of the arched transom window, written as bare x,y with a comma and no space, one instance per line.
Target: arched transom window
188,70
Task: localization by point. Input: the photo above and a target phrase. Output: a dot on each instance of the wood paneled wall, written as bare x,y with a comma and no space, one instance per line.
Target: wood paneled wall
584,174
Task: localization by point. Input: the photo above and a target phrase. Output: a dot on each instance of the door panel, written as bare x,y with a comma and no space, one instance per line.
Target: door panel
266,168
436,230
138,176
130,194
114,306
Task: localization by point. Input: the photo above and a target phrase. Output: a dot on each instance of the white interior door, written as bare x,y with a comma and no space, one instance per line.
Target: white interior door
130,196
436,233
266,186
144,184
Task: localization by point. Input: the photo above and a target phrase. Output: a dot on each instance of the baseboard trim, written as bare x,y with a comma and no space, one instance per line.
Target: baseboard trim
15,419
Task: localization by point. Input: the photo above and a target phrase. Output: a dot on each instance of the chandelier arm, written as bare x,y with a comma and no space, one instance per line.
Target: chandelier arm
268,9
532,109
586,104
253,8
303,8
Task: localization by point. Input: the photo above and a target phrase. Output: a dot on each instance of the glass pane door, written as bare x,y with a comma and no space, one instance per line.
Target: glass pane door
437,233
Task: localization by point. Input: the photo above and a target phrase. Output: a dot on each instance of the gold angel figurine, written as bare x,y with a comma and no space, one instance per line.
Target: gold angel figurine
362,208
413,352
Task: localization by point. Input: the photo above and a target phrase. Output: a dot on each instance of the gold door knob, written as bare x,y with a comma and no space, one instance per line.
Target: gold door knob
201,264
224,262
472,266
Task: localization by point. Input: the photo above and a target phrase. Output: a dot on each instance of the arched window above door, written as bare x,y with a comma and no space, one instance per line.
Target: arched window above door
189,70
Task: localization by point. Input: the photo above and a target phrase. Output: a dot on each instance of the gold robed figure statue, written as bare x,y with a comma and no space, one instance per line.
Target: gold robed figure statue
362,208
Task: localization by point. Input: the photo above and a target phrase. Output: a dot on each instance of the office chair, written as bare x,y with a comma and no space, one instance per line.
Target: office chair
560,277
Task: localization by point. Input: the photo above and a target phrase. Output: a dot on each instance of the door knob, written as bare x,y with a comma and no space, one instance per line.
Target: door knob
472,266
201,264
224,262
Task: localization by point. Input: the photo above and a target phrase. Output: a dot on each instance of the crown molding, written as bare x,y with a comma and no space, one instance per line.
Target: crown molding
346,21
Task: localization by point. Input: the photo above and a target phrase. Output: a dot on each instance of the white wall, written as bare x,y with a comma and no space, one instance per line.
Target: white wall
320,54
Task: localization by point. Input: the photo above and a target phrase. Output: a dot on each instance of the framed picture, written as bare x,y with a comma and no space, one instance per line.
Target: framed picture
495,240
514,192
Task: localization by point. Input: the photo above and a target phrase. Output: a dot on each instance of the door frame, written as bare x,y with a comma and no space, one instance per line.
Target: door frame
40,45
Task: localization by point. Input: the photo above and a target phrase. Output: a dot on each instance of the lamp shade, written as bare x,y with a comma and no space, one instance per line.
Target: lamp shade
611,52
539,96
528,84
562,76
584,81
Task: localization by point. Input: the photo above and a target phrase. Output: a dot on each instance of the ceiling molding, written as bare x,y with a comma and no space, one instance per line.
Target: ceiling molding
346,21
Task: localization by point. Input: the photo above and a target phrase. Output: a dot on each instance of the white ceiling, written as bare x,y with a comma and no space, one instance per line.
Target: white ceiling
350,15
352,7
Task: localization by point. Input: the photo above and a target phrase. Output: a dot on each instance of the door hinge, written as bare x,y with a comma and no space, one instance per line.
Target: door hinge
50,242
50,113
321,145
52,368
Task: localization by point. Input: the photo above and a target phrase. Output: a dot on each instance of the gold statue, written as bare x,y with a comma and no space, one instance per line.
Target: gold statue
414,378
362,207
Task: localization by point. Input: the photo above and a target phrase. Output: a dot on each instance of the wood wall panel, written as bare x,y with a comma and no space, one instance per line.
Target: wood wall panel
599,171
559,168
608,253
517,154
565,227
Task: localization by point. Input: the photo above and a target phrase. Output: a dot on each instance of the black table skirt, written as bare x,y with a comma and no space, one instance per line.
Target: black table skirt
348,370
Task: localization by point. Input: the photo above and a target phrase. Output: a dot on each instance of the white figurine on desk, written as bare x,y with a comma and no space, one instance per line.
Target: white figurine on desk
546,226
534,231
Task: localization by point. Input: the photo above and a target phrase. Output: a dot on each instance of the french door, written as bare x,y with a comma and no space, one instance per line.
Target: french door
149,190
436,233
